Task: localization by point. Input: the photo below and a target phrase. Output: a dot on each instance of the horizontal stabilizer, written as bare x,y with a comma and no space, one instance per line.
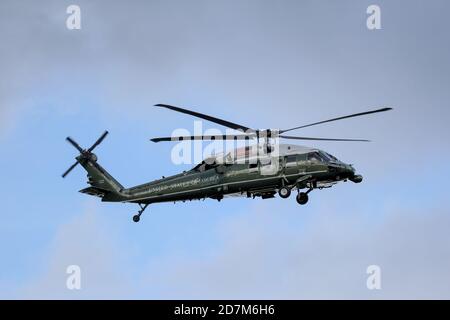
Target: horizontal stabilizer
93,191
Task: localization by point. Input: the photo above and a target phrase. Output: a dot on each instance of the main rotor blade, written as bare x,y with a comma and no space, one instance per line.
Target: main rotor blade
320,139
206,117
339,118
99,140
210,137
70,169
76,145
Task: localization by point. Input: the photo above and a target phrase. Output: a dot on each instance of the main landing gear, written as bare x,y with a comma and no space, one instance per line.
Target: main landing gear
137,217
302,197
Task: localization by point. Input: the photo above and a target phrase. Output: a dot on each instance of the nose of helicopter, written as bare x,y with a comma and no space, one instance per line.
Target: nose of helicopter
348,168
345,171
356,178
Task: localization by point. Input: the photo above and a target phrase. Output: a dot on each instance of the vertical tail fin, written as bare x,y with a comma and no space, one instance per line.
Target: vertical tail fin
100,178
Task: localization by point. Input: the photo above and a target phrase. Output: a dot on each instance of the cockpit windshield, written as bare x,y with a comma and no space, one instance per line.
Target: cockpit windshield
325,156
333,158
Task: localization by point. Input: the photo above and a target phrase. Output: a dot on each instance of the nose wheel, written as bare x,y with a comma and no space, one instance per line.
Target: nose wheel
137,217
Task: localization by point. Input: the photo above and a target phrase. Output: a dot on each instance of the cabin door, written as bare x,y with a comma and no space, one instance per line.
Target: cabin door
290,165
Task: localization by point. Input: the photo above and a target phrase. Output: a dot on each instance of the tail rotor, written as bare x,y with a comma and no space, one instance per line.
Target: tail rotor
85,154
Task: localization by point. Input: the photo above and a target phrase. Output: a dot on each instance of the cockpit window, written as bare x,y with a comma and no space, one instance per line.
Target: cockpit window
321,156
325,156
332,157
314,156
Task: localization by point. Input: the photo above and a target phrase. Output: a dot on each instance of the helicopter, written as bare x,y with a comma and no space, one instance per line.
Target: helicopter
260,170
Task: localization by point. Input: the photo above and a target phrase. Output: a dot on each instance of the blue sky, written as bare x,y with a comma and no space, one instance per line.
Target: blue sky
261,63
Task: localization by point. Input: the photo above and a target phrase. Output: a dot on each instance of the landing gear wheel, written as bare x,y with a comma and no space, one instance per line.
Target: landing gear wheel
302,198
137,217
284,192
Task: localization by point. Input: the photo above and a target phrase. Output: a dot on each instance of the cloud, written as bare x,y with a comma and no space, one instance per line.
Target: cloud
270,254
88,243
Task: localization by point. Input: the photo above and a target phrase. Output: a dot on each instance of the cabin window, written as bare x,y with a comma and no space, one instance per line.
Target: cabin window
291,158
253,165
210,166
201,167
